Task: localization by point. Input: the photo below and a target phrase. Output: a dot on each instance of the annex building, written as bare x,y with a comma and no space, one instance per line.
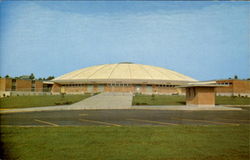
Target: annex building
16,87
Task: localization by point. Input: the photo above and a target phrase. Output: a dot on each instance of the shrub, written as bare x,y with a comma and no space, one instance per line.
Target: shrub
68,102
152,97
57,103
96,93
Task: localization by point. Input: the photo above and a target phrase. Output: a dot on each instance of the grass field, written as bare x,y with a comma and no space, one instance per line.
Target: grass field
127,143
224,100
158,100
38,101
180,100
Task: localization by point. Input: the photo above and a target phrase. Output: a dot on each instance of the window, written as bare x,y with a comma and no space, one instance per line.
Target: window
13,85
191,92
33,85
194,92
188,92
13,88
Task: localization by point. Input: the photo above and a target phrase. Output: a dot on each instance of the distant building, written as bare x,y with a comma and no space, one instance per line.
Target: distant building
200,94
235,87
26,77
9,86
203,93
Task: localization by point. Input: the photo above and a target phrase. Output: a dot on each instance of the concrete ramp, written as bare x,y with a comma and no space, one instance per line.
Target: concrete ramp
106,101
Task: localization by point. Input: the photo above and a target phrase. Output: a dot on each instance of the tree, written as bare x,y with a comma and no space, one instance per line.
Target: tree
32,76
50,78
235,77
7,76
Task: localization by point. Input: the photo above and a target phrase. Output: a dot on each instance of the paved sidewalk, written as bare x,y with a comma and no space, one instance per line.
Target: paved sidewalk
69,107
106,101
184,107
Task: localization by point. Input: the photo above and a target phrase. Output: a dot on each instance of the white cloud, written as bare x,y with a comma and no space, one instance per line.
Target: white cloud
170,37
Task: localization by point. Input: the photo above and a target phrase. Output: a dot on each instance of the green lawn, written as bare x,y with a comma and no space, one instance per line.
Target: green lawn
127,143
158,100
180,100
224,100
38,101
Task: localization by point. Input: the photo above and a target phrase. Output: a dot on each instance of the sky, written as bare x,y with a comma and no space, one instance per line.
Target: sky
203,40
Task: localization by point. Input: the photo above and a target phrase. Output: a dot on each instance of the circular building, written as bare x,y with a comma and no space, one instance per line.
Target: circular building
121,77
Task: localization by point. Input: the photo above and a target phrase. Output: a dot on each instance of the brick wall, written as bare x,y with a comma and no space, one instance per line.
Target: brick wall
73,89
20,85
56,88
117,88
8,84
191,96
125,88
200,96
38,86
23,85
2,84
206,96
241,86
235,86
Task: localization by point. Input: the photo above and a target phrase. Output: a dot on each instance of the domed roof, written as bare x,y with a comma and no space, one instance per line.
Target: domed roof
125,71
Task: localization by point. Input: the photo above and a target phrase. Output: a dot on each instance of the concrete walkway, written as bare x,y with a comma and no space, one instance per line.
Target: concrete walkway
184,107
69,107
106,101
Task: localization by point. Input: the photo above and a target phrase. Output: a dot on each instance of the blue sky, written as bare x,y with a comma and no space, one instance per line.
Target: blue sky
204,40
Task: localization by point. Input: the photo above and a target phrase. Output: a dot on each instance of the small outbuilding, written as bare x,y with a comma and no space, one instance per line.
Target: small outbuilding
200,94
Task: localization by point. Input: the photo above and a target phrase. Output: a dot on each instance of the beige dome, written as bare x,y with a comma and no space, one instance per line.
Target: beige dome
122,72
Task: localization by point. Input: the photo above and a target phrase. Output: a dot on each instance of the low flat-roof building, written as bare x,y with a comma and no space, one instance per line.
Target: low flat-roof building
200,94
10,86
235,87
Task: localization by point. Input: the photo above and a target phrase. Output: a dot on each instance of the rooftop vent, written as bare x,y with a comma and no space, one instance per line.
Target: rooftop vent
126,63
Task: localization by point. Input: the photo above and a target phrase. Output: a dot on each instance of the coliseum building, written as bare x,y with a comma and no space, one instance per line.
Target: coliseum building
122,77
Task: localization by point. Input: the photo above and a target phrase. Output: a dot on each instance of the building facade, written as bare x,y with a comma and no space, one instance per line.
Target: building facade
200,95
122,77
9,86
235,87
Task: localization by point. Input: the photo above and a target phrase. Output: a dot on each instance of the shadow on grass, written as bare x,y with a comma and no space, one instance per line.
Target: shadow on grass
181,102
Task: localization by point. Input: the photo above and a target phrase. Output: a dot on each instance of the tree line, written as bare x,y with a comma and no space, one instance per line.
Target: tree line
30,77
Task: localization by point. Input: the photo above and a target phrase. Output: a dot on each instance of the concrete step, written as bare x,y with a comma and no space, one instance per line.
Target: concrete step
111,100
